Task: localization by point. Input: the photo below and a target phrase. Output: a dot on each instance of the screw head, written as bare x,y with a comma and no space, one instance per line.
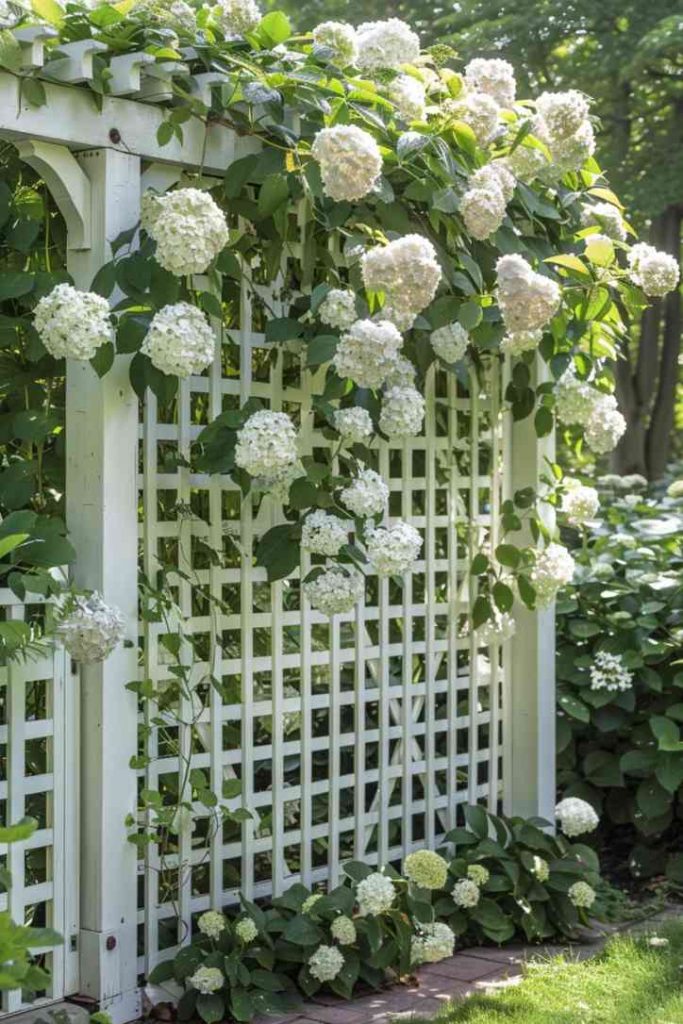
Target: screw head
111,942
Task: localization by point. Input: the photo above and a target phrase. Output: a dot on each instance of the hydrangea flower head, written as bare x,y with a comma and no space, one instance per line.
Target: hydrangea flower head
354,425
582,895
72,324
426,869
211,923
450,342
608,672
367,351
189,229
350,161
465,893
580,503
576,816
375,894
402,413
409,96
527,300
433,942
393,550
366,495
338,308
180,340
478,873
655,272
90,629
343,930
324,533
494,77
266,443
339,38
386,44
246,930
207,980
406,270
326,963
237,17
335,591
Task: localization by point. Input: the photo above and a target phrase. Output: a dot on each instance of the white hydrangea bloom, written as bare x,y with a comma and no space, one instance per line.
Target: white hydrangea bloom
541,869
150,207
599,250
554,569
608,672
574,398
367,352
183,15
403,412
402,319
310,902
375,894
580,503
323,533
409,96
335,591
212,923
189,229
207,980
246,930
657,942
582,895
72,324
494,77
354,425
366,495
278,482
497,630
90,629
607,217
526,162
478,873
236,17
562,113
477,110
386,44
343,930
350,161
466,893
406,270
393,550
571,154
576,816
338,37
266,443
425,868
527,300
606,425
655,272
483,211
433,943
495,174
180,340
450,342
517,342
338,308
402,374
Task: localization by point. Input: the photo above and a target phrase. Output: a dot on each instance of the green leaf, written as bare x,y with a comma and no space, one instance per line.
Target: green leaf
469,315
18,832
667,733
10,51
274,192
508,555
674,868
669,772
103,360
33,91
574,707
569,262
15,283
277,552
321,350
477,820
544,421
8,544
211,1007
274,28
50,11
652,799
302,931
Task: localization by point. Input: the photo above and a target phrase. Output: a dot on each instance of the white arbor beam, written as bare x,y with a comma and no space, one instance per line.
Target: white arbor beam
68,183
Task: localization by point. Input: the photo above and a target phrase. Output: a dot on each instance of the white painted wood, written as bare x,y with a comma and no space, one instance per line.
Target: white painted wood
69,186
76,61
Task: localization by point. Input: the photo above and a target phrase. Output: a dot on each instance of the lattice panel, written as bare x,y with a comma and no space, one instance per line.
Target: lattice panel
37,766
356,738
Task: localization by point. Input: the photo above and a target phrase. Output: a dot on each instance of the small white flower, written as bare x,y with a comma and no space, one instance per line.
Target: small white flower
562,113
266,443
90,629
246,930
434,942
553,570
180,340
189,229
465,893
581,894
517,342
425,868
335,591
576,816
338,308
338,37
450,342
207,980
367,351
655,272
527,300
483,211
541,869
343,930
580,503
608,672
354,425
494,77
393,550
212,923
497,630
324,533
366,495
236,17
350,161
409,96
406,270
657,942
72,324
326,963
402,414
386,44
375,894
478,873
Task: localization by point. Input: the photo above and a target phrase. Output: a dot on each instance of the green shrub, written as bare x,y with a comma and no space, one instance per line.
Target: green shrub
622,750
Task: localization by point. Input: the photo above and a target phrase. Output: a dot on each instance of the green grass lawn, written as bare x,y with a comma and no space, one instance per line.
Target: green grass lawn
629,983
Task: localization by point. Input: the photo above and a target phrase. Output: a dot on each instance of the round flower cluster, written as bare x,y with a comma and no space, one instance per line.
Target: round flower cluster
406,270
426,869
541,869
338,308
655,272
494,175
478,874
526,162
72,324
246,930
554,569
354,425
366,495
450,342
608,672
582,894
207,980
393,550
323,533
212,923
574,398
571,154
607,217
343,930
180,340
266,443
189,229
402,374
375,894
483,211
517,342
477,110
606,425
236,17
339,38
386,44
497,630
465,893
562,122
435,942
335,591
326,963
310,902
367,351
183,14
494,77
527,300
350,161
580,503
403,412
409,96
90,629
576,816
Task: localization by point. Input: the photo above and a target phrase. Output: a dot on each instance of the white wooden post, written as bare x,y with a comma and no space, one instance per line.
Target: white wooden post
102,438
529,742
